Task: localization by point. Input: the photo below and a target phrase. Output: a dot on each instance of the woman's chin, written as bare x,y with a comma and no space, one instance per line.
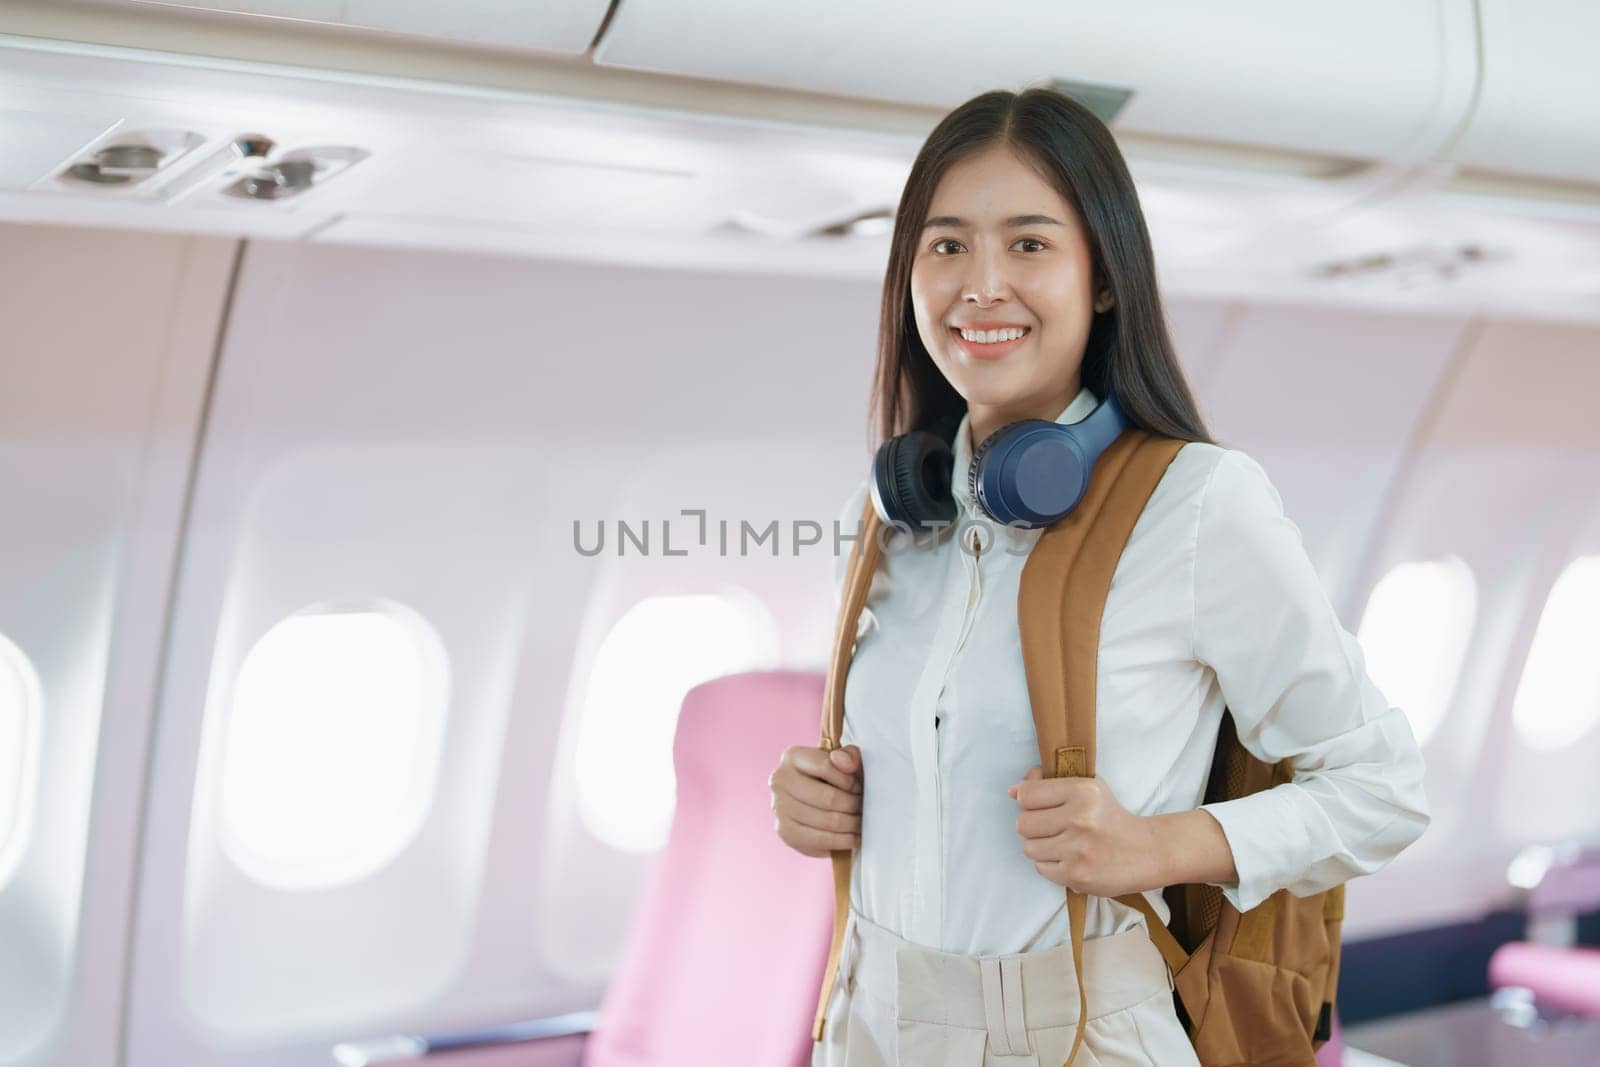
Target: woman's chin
988,384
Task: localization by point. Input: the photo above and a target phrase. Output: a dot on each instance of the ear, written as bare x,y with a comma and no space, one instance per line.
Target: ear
1104,302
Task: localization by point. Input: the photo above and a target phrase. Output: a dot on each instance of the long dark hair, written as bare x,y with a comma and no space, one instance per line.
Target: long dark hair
1128,351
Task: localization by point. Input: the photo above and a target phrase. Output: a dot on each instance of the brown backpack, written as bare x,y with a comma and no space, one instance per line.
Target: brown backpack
1253,988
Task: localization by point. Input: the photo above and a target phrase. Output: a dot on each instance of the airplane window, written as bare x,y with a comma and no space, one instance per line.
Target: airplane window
1558,697
333,745
1414,636
661,648
19,751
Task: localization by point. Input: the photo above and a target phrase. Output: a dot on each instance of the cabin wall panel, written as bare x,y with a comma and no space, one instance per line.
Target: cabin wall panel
106,341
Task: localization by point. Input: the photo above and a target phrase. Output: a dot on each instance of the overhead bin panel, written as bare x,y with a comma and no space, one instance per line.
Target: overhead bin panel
1366,79
1540,105
564,26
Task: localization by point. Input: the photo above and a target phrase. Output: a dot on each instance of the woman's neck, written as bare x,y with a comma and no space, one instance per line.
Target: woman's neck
985,419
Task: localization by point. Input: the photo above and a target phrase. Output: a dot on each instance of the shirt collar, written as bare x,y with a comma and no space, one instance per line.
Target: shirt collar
1081,407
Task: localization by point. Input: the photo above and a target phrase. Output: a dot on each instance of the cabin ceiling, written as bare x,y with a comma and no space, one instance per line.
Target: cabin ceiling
636,133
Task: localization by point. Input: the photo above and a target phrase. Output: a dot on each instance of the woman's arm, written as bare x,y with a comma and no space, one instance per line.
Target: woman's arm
1296,684
1192,850
1079,836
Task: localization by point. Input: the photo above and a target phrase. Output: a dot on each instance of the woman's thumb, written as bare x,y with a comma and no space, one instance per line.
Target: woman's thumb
847,758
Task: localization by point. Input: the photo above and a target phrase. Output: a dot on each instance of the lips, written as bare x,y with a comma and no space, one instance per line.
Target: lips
995,351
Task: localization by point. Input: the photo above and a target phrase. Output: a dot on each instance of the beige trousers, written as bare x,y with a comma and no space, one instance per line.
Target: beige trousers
896,1004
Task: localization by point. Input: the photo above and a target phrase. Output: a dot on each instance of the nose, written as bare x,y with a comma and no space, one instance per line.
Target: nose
986,283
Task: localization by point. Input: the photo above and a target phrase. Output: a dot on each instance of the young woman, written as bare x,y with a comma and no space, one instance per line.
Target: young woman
1021,284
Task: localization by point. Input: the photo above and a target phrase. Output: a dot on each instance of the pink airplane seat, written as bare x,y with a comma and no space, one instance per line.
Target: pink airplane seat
1561,978
1553,978
726,951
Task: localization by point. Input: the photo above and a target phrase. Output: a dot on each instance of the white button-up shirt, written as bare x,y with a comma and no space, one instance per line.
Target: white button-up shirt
1213,602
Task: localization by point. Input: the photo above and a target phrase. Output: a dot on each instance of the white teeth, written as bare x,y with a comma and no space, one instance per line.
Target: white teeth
989,337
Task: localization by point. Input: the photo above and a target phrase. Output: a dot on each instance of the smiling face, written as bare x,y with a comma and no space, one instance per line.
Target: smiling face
1002,248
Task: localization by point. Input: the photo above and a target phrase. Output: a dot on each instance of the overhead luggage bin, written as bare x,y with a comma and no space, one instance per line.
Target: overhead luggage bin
561,26
1364,80
1540,102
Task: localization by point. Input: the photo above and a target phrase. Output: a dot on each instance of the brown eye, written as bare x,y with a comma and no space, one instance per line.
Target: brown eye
1031,241
944,241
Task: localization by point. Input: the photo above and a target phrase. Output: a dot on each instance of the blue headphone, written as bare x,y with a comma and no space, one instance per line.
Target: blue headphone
1031,472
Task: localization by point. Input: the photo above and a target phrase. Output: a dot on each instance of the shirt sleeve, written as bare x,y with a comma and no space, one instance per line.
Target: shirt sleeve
1296,684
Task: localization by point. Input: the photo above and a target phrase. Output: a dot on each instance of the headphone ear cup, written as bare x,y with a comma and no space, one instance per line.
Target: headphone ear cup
1030,472
912,473
1034,472
977,462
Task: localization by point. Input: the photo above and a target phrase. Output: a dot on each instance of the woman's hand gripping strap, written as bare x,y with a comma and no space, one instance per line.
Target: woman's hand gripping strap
857,581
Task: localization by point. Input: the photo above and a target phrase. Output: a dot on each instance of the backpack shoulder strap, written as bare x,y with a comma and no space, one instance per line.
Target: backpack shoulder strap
1062,594
1060,602
858,573
864,555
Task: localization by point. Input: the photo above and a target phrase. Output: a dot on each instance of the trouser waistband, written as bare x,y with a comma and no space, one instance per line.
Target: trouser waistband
1006,994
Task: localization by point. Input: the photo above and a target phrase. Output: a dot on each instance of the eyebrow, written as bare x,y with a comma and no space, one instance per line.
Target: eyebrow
1015,220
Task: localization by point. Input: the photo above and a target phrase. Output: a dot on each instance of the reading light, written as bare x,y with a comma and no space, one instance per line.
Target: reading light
873,223
1405,268
118,164
275,180
294,172
131,159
